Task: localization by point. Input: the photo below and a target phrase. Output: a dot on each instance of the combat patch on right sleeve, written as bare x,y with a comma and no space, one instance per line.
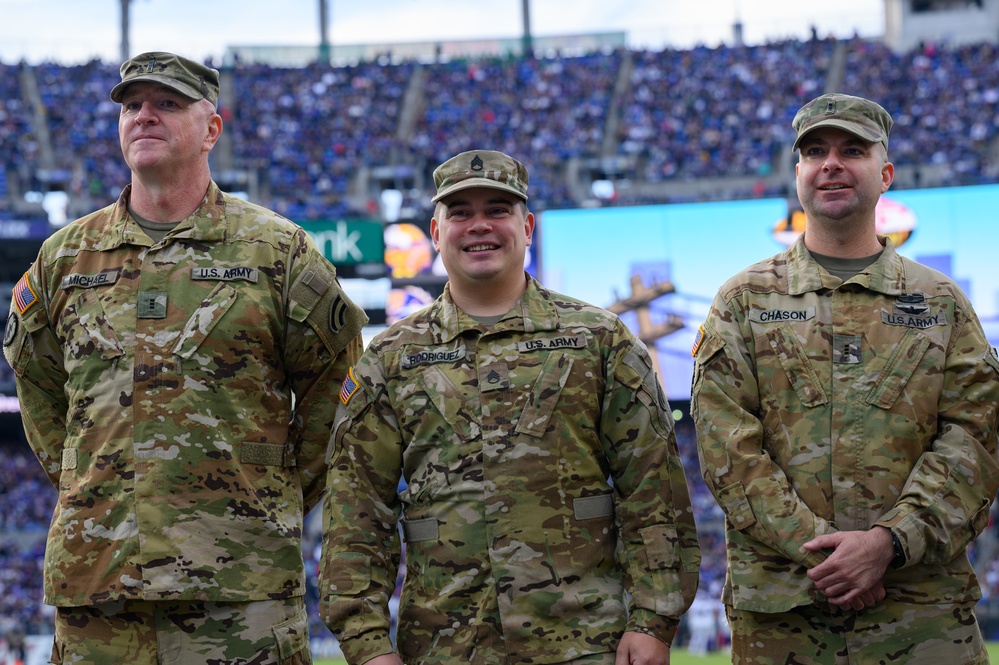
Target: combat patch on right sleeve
316,297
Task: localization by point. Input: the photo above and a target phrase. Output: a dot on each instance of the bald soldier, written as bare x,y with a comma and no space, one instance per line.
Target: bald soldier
846,401
176,356
546,513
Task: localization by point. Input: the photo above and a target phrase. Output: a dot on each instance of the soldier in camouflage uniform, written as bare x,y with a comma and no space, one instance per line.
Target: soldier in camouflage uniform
846,401
534,440
177,357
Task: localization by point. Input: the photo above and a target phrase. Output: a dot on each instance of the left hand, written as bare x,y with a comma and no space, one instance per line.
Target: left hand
641,649
851,575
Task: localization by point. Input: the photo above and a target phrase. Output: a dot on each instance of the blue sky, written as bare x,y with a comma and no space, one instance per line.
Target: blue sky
73,31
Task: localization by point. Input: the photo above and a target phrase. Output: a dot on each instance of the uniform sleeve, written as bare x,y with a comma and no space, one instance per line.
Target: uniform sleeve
750,488
945,503
661,556
33,351
323,340
361,548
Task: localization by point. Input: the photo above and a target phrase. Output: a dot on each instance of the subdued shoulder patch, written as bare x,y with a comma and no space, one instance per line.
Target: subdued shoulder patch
24,296
338,313
349,387
13,327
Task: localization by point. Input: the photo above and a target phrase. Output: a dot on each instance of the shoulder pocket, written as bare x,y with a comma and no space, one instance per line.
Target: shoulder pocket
645,381
17,340
992,359
317,299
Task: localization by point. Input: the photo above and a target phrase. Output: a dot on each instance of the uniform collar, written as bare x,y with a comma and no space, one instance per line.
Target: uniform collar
534,312
886,275
209,223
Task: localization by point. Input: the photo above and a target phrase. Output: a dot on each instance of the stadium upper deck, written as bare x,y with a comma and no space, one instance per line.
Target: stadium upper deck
675,125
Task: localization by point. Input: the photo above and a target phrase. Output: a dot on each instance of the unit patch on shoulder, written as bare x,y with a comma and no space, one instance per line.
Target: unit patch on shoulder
349,387
698,338
338,314
23,295
10,332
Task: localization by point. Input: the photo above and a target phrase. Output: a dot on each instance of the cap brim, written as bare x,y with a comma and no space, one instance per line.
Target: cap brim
851,127
478,182
118,91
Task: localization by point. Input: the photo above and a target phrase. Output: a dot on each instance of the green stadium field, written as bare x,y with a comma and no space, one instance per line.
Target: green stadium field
681,657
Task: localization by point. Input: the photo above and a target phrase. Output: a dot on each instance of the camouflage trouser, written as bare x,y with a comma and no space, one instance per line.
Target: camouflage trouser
136,632
888,633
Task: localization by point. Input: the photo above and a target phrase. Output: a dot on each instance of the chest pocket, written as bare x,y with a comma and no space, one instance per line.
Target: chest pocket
204,319
788,350
449,401
898,370
92,318
544,397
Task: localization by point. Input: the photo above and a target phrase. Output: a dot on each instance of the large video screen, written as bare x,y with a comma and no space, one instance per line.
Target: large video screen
660,266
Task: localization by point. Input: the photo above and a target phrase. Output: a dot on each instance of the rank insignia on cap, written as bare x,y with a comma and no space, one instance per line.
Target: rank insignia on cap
349,386
24,296
698,338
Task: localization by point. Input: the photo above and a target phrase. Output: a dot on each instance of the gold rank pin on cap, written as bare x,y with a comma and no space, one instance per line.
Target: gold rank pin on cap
861,117
480,168
189,78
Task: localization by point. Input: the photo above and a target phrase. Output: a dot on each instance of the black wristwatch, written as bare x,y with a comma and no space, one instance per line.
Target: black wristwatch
899,559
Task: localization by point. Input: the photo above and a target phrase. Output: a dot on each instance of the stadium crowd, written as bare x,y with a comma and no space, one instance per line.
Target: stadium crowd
309,135
321,140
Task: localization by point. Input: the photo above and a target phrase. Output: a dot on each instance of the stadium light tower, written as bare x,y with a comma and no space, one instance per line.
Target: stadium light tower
124,30
528,42
324,40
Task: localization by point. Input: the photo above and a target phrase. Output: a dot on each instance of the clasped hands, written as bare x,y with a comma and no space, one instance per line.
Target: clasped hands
851,576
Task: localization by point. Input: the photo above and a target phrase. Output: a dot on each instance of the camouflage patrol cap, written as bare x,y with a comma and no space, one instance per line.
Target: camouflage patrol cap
480,168
861,117
193,80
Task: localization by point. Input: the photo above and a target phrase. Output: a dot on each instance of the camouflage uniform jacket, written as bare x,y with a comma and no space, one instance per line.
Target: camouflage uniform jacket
157,384
823,405
530,451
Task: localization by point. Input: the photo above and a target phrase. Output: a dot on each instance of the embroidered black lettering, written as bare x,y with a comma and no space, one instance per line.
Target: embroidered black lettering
432,356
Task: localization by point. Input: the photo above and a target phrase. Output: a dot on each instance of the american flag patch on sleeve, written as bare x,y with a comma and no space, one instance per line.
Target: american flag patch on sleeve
349,386
24,296
697,341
